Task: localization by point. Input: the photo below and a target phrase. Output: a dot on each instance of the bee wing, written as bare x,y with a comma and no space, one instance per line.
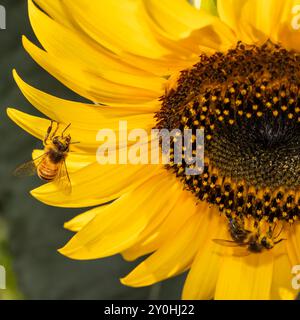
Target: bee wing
240,249
29,168
228,243
63,179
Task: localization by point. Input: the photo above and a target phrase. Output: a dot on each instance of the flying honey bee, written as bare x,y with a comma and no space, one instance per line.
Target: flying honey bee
51,165
254,242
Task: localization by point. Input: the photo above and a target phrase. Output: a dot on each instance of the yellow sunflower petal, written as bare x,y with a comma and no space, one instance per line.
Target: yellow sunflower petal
172,258
54,9
177,18
88,189
229,11
81,220
289,24
166,66
282,279
253,20
202,278
264,16
36,126
128,33
245,278
110,233
203,31
84,133
185,208
211,38
70,47
56,108
286,294
292,244
161,66
84,82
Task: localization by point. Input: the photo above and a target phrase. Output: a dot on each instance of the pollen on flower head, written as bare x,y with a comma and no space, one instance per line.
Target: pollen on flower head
247,101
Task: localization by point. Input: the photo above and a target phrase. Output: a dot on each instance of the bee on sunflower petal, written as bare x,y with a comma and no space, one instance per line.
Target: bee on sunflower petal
51,165
253,241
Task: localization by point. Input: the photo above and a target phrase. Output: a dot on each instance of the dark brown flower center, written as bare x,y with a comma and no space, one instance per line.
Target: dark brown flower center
247,101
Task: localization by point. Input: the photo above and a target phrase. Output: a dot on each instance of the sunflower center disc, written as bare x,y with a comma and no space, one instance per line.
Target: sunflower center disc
247,101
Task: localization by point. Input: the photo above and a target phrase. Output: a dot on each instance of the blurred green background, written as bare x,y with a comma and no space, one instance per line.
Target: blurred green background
31,232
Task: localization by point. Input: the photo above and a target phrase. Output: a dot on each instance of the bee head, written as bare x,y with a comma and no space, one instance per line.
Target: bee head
62,143
267,242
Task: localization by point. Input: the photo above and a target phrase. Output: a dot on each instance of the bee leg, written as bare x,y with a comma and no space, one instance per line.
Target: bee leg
66,128
48,133
55,131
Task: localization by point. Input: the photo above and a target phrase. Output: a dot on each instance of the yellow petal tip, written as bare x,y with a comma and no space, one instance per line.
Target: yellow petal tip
61,250
16,75
32,193
35,193
24,39
134,280
12,113
38,195
68,225
126,282
65,251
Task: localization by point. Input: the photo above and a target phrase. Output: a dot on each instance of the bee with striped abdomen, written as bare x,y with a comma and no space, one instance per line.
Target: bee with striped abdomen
51,165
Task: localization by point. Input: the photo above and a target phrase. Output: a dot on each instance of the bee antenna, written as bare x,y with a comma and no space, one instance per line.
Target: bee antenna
66,128
279,233
276,242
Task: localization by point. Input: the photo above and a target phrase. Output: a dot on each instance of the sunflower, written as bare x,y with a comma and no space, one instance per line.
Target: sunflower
232,70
